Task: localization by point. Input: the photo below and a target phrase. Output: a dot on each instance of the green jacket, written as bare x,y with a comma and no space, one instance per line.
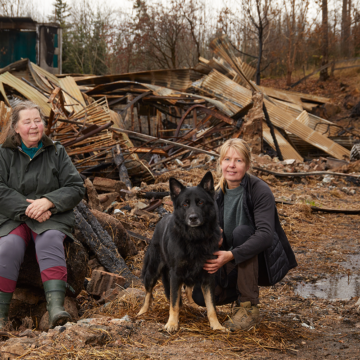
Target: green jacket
49,174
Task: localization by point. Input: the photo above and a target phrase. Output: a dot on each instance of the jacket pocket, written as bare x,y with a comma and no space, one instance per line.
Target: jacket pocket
277,262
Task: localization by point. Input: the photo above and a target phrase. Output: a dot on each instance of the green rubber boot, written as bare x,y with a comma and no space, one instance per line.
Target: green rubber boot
5,299
55,296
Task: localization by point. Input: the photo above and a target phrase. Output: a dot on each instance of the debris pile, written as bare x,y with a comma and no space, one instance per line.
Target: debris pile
127,135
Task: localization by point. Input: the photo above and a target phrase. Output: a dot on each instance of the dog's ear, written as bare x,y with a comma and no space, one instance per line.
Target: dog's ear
207,183
175,188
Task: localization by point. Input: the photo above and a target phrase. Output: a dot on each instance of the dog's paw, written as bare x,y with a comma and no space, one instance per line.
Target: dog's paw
171,326
142,311
219,327
193,305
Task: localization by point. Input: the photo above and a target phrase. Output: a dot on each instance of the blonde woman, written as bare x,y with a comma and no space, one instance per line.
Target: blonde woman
254,250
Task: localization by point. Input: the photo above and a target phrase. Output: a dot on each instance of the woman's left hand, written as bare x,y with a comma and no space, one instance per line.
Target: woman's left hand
213,265
38,207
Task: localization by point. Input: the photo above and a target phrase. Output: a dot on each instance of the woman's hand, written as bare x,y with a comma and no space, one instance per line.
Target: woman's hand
44,216
213,265
38,207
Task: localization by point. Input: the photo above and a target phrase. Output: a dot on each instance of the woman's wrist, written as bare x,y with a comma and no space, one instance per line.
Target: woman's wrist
230,256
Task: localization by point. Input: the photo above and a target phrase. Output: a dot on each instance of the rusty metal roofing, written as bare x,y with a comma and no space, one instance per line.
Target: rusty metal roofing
69,85
177,79
27,91
45,75
5,113
287,151
222,87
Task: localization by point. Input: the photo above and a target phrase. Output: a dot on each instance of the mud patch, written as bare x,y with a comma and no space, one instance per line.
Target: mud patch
337,287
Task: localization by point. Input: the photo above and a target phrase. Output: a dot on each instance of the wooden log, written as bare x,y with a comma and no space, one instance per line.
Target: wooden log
107,199
108,185
116,230
154,194
94,201
119,162
99,241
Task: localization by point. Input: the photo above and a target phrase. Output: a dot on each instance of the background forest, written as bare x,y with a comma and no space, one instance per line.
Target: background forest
281,38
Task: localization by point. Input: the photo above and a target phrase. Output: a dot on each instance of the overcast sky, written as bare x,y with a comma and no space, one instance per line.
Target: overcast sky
46,7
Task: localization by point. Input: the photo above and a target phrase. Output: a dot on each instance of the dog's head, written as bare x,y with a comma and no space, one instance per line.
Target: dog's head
194,205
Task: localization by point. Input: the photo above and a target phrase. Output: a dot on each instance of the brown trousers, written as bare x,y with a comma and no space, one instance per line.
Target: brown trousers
242,281
234,283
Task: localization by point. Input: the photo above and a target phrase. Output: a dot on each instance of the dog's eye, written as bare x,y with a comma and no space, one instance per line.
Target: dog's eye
185,204
200,202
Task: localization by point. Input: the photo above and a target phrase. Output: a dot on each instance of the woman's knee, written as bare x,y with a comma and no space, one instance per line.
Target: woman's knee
12,247
50,249
241,233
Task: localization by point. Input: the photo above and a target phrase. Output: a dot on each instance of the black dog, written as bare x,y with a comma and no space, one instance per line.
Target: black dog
181,244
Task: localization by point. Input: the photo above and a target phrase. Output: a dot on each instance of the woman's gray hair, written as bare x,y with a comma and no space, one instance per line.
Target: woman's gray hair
9,131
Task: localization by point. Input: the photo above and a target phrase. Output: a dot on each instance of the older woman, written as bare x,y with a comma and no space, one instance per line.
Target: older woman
254,250
39,187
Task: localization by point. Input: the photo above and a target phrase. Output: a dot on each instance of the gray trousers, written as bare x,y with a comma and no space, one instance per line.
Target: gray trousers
49,252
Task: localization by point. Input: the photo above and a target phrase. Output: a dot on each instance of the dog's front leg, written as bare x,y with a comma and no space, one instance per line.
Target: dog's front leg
211,312
175,292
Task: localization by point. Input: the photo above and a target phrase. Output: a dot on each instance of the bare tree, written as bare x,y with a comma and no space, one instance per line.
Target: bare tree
16,8
324,75
260,14
296,21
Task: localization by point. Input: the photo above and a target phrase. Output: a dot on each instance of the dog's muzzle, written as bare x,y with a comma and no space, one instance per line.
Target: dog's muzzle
193,220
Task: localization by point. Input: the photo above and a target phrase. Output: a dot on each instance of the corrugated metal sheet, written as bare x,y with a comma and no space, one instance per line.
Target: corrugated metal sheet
44,75
222,47
277,94
70,86
177,79
222,87
27,91
314,122
294,97
5,113
287,150
288,122
3,93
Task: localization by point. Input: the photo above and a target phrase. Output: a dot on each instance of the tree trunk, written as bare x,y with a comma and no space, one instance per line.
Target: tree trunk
324,75
258,70
344,31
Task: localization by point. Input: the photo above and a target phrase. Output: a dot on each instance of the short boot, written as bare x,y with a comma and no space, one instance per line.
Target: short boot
55,296
245,317
5,299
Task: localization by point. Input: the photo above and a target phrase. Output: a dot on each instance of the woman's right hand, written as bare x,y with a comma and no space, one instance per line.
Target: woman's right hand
44,216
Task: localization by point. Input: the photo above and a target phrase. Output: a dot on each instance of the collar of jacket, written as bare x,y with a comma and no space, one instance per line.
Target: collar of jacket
11,142
244,184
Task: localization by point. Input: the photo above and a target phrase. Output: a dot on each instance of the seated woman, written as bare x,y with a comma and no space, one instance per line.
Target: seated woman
39,187
254,250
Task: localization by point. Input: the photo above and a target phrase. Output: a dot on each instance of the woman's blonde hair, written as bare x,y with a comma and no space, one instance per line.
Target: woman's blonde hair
239,146
10,128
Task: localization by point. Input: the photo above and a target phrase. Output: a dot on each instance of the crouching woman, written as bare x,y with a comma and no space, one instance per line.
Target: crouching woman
39,187
254,250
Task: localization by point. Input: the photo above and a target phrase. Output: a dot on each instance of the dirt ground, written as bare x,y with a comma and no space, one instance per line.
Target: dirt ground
293,326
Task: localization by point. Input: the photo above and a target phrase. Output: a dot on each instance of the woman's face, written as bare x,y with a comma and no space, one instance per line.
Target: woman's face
233,168
30,127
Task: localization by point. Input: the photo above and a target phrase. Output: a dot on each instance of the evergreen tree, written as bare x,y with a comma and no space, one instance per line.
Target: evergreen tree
62,12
